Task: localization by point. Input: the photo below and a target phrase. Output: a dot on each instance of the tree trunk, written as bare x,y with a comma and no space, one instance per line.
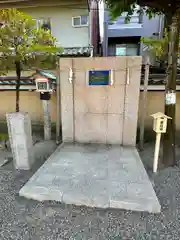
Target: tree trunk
18,74
169,157
167,23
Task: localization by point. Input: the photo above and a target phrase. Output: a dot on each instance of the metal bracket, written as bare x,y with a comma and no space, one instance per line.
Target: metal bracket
112,77
70,75
127,76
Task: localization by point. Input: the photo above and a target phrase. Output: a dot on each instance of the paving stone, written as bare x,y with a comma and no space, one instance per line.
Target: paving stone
26,219
96,176
93,193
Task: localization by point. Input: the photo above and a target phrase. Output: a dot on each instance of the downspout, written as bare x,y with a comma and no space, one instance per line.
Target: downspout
105,39
58,105
105,33
94,25
94,28
90,24
160,26
98,29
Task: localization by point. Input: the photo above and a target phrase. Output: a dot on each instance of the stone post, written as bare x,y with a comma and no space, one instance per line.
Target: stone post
20,138
47,119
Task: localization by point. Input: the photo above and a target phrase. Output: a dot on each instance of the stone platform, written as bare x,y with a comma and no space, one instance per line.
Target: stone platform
95,176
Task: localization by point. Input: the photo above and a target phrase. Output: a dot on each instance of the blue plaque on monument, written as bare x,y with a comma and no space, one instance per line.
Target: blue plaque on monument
99,77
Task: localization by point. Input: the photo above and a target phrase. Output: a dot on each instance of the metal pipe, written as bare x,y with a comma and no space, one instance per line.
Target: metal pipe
58,105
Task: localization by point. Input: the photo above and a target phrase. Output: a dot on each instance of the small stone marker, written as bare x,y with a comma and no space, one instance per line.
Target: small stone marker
20,137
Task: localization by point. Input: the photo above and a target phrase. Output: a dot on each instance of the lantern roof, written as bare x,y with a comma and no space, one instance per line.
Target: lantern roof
159,115
46,74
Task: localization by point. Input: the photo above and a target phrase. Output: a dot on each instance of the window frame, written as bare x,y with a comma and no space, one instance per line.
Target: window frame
80,25
120,46
127,46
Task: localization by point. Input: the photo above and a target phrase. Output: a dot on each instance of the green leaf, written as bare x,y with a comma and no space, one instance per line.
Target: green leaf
157,46
150,8
20,40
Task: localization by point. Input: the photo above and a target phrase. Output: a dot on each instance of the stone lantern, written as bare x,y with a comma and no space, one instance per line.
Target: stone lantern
45,85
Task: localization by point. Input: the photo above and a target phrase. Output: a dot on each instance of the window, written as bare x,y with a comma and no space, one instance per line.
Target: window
44,24
84,20
127,49
132,50
80,21
120,51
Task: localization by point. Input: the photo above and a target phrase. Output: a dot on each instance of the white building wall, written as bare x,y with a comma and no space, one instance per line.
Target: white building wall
61,24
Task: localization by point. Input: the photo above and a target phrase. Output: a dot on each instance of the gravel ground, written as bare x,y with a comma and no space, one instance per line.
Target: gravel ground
27,219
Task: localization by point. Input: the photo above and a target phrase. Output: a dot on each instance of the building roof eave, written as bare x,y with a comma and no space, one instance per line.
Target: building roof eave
77,52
